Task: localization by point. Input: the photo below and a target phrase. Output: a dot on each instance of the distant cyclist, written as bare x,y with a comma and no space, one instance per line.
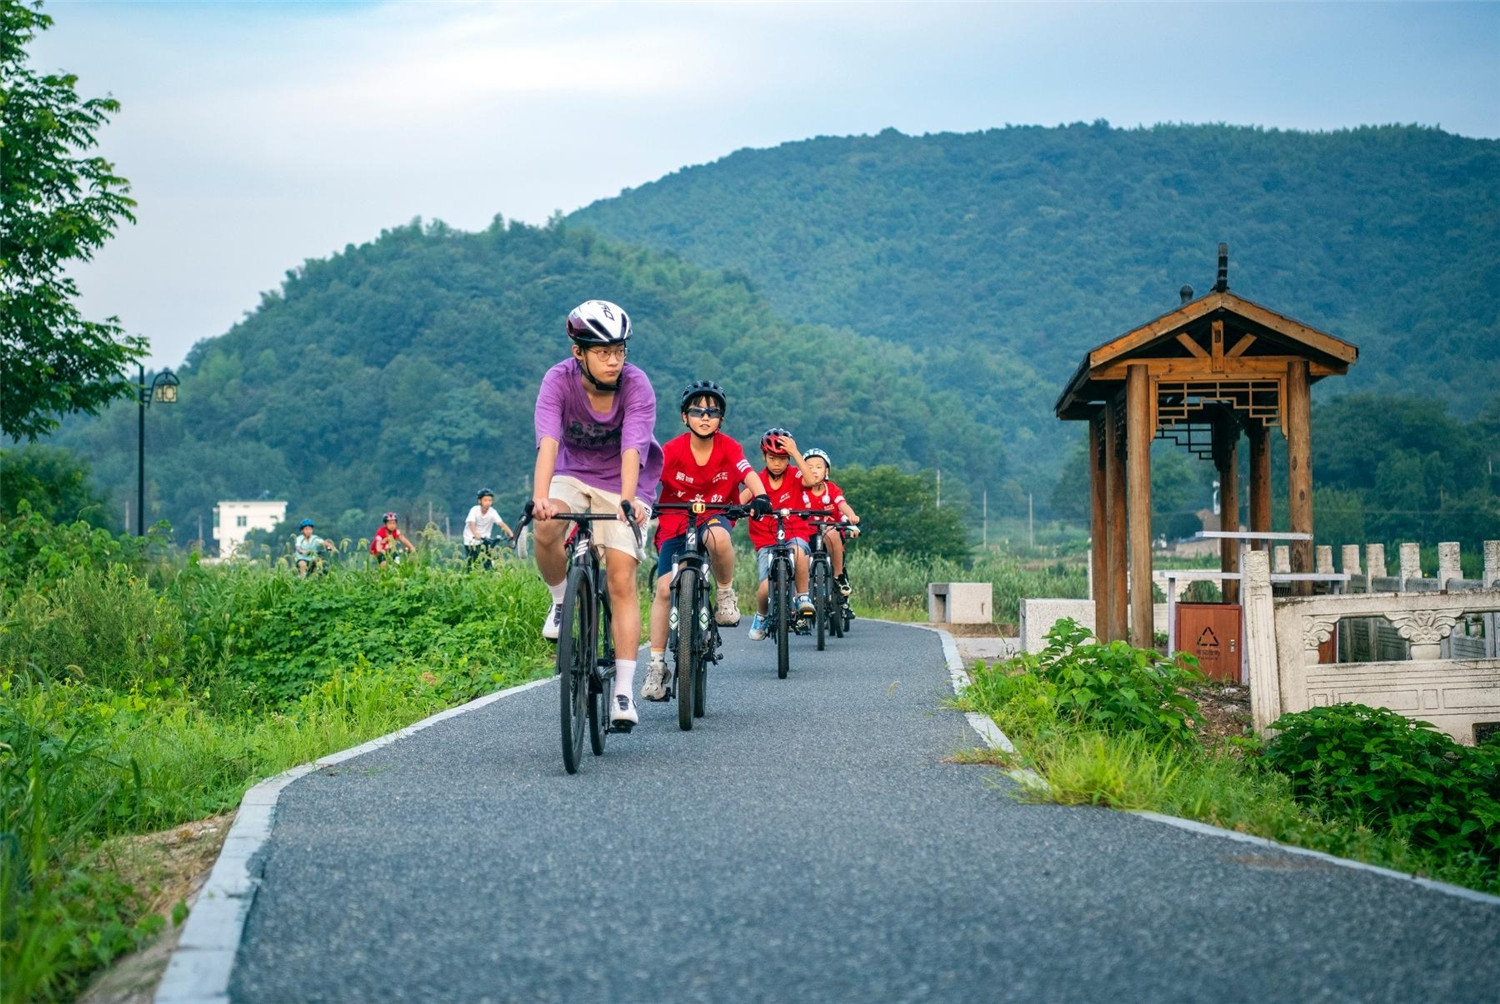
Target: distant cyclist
389,539
308,548
595,453
479,528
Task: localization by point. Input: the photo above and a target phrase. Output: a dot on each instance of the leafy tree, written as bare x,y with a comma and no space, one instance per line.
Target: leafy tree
899,512
52,482
58,205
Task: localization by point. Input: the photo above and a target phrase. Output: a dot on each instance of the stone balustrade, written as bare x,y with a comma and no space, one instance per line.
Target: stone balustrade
1401,629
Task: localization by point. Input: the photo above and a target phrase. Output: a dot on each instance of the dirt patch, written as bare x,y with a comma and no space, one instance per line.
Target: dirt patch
167,868
978,630
1224,714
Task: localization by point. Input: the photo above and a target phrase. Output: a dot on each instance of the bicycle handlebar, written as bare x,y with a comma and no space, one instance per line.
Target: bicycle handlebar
528,517
734,510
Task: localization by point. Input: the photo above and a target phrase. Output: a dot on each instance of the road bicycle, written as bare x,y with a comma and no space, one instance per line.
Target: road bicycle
693,634
585,646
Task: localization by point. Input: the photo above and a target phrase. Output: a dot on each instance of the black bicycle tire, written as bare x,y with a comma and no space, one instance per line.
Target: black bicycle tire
601,683
574,650
820,601
685,599
781,623
704,651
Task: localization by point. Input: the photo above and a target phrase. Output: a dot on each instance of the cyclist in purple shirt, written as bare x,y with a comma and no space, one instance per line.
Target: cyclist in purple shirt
595,452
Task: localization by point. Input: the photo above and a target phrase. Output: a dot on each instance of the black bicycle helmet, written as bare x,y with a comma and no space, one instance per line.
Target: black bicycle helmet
704,388
769,445
598,322
482,493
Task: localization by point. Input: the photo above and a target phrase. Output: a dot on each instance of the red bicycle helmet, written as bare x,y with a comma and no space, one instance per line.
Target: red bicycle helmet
769,442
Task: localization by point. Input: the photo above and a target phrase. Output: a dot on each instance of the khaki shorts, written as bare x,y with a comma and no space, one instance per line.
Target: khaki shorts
580,497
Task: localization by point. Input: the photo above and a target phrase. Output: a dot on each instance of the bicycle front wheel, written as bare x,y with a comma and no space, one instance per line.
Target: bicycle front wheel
781,614
602,679
685,602
575,658
820,601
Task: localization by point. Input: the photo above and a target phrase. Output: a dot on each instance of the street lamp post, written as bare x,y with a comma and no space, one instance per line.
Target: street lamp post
163,390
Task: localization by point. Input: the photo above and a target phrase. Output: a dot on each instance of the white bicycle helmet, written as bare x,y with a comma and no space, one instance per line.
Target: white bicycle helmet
818,451
598,322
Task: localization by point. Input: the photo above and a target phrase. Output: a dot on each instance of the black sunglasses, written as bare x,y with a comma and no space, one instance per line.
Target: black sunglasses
705,412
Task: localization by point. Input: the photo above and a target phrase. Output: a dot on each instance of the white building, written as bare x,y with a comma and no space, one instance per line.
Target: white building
233,521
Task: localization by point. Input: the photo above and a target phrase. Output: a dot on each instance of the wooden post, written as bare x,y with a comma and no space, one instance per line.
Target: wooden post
1299,467
1227,459
1139,433
1260,481
1098,525
1114,502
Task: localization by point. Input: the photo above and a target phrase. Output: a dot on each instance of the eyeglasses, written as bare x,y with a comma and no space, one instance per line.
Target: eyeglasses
608,352
705,412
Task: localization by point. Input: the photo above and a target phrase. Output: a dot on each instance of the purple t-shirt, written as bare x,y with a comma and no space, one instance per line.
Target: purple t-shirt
590,442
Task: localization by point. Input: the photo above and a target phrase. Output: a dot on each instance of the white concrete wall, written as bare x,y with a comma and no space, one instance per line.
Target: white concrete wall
257,515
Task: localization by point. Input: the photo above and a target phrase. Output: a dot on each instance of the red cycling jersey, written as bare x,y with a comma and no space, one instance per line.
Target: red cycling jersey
683,479
829,501
790,495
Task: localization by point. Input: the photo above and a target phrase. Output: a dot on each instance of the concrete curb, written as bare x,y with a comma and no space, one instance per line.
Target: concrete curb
202,962
997,739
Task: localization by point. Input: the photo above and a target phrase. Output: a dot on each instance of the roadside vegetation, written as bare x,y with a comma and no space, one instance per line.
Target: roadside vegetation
139,691
1116,726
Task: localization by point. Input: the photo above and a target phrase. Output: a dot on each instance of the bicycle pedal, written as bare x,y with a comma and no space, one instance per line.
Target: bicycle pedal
621,726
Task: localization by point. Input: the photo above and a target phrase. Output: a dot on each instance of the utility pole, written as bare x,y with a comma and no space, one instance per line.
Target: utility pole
939,487
1030,521
984,521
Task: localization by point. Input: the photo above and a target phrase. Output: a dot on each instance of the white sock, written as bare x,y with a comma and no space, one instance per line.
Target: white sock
557,591
658,655
624,677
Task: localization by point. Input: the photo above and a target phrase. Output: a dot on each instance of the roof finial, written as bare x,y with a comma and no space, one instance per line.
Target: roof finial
1186,293
1223,282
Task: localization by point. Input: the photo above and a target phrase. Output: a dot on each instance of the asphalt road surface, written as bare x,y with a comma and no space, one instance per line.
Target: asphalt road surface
805,842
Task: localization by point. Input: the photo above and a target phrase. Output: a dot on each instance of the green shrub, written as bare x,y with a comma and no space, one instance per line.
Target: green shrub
1382,768
1112,688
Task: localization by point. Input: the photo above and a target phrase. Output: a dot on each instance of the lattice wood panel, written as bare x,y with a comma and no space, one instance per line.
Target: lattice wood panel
1178,402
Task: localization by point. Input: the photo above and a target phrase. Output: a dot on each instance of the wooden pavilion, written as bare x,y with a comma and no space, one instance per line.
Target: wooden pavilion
1214,368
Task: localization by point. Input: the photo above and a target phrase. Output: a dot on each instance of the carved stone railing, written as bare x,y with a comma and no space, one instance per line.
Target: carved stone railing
1283,638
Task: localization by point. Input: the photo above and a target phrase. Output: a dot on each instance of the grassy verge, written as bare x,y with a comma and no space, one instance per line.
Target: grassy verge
1066,715
894,586
135,698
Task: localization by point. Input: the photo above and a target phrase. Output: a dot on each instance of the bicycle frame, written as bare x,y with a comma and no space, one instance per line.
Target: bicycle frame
694,614
585,650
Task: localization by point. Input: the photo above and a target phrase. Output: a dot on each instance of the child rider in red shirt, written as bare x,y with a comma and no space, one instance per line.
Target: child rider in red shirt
829,497
701,465
786,491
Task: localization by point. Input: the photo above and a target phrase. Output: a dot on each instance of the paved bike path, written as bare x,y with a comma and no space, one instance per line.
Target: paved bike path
804,843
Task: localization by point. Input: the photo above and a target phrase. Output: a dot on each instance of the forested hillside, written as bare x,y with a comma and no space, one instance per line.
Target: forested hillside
1003,256
403,372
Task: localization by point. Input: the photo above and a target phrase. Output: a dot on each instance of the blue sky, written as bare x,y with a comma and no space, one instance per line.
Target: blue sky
257,135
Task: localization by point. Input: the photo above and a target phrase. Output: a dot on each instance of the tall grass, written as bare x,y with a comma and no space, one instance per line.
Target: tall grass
895,586
134,699
1220,786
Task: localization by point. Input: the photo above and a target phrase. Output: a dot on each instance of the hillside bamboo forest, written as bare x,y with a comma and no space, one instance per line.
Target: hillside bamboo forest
916,301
